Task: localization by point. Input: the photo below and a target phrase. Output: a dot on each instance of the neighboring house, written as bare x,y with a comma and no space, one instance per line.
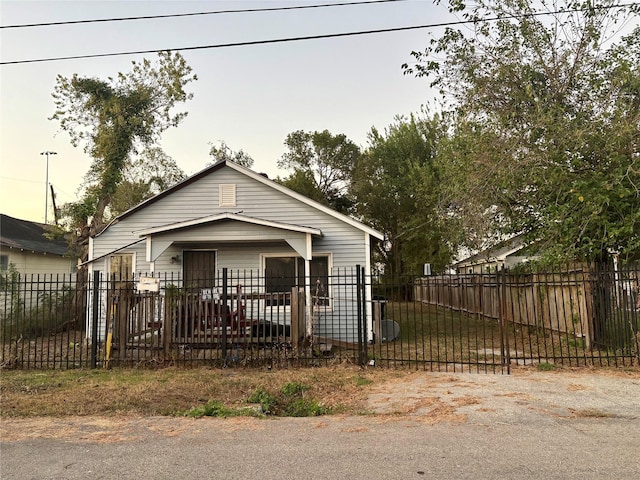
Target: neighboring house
505,254
23,245
228,216
30,264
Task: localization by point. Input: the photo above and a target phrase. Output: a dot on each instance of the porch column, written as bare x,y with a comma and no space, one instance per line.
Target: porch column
307,284
367,289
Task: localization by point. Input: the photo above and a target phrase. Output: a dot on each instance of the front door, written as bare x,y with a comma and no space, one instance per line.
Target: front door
199,269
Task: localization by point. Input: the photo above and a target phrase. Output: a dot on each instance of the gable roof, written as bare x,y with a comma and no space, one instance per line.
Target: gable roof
228,216
26,235
497,252
259,178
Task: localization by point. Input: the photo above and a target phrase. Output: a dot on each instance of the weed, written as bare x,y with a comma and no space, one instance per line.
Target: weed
361,381
288,402
214,408
266,400
546,366
301,407
576,343
292,389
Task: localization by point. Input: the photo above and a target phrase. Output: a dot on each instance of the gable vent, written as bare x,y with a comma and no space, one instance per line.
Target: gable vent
227,195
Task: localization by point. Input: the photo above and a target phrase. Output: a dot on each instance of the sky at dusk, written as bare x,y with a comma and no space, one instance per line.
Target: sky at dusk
250,97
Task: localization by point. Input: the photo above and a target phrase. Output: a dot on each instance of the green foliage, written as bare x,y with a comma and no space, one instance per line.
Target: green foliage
266,400
321,165
289,401
303,182
296,405
292,389
115,119
144,177
223,152
47,314
546,367
397,185
10,280
213,408
13,305
303,407
544,140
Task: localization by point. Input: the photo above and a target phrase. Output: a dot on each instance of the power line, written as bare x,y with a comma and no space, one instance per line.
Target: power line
312,37
193,14
20,179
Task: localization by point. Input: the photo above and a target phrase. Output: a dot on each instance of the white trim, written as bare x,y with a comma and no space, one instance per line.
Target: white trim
270,183
105,255
90,252
227,216
367,291
328,255
133,262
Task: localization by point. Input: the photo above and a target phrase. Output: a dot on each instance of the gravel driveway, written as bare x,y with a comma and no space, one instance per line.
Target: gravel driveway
516,398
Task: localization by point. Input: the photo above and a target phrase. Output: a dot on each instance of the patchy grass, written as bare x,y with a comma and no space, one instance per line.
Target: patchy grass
170,391
290,400
214,408
546,366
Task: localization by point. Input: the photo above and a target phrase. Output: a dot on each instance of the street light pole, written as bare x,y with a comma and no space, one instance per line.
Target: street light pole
46,187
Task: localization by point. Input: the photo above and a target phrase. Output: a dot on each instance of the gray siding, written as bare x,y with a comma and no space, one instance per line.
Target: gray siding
254,199
346,243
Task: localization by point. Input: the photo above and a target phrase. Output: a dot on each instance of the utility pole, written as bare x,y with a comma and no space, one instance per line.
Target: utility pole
46,187
55,207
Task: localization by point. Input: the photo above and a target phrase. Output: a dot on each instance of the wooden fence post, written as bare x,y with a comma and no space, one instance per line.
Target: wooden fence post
298,309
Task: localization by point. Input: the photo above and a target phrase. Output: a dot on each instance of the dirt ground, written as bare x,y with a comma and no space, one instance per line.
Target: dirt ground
424,397
477,398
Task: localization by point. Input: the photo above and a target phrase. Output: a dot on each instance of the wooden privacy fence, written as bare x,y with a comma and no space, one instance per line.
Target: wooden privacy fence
566,302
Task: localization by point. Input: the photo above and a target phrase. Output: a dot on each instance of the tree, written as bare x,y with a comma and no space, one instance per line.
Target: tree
116,119
396,186
223,152
545,138
321,165
153,172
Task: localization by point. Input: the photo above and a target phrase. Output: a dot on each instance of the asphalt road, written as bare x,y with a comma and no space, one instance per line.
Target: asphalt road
436,426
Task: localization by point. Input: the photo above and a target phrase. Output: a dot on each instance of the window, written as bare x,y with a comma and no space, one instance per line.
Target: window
280,277
282,274
227,195
319,277
4,262
121,269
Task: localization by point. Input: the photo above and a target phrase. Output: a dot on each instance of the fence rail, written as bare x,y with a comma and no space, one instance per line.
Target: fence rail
475,322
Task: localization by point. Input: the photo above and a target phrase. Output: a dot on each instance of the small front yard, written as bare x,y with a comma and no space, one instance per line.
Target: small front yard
173,391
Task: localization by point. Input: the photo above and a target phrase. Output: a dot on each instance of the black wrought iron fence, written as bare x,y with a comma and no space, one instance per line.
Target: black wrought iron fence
43,321
580,315
481,322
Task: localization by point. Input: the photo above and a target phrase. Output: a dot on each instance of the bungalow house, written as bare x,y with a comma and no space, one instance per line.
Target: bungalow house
269,238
